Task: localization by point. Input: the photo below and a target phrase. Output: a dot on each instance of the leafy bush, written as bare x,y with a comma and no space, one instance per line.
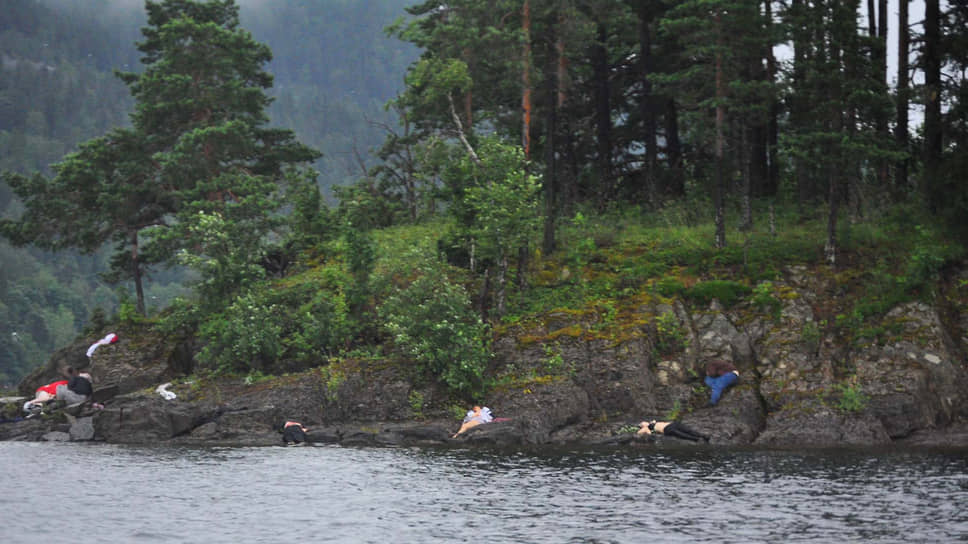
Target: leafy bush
245,337
763,298
432,322
727,292
670,338
668,286
416,401
851,398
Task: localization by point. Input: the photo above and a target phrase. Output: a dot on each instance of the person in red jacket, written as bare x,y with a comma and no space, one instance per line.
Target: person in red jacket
43,394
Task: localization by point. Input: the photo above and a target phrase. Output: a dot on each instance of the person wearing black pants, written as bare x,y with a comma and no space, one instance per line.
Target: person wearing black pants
671,428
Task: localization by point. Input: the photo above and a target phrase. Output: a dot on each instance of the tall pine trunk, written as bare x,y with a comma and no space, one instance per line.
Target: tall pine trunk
136,274
676,185
647,104
901,128
799,106
526,79
931,60
603,109
878,30
556,99
720,190
773,123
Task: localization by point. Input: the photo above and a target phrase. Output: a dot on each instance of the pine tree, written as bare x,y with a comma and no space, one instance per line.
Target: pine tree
199,153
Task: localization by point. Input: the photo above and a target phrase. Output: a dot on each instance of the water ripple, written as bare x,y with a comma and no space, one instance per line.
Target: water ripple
335,494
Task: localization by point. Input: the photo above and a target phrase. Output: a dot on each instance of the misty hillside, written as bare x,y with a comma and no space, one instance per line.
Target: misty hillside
334,70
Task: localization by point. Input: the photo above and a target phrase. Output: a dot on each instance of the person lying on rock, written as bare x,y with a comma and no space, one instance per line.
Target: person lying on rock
671,428
720,375
476,416
44,394
78,388
293,432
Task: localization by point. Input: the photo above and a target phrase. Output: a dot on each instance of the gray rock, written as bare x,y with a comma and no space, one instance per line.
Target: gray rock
82,429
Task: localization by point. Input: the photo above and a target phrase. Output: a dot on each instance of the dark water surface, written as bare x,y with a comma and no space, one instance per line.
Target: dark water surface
103,493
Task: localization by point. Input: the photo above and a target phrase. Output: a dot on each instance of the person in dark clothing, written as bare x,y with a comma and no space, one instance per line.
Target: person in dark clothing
671,428
720,375
293,432
78,387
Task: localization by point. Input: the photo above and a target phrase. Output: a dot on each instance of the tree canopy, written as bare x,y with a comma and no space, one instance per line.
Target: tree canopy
198,147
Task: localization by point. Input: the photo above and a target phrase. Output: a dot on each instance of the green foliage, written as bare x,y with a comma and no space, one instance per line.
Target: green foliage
670,338
360,257
851,400
553,361
416,401
458,412
503,198
245,337
764,299
727,292
929,253
675,412
431,322
583,249
810,336
222,255
627,429
332,380
669,286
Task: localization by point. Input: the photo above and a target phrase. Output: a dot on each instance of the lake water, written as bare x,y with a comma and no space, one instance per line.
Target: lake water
78,493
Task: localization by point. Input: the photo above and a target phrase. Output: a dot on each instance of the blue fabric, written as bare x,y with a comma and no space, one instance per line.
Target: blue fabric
719,385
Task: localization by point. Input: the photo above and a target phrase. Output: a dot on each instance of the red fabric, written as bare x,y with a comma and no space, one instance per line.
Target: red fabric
51,388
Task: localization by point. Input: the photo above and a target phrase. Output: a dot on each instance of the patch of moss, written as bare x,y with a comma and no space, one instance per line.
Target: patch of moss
727,292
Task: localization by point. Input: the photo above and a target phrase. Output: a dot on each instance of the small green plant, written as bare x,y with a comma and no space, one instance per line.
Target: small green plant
553,361
669,336
254,377
332,380
675,412
627,429
458,411
416,400
810,335
668,286
128,312
851,398
581,250
763,299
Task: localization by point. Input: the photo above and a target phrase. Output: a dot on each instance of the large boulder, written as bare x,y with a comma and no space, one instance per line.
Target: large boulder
818,426
145,419
140,358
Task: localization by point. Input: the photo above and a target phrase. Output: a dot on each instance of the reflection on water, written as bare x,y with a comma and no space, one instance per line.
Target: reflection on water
129,494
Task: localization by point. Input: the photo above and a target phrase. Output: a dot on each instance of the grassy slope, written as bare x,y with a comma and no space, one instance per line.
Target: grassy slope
610,264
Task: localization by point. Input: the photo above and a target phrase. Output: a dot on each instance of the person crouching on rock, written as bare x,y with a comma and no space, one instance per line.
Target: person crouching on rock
44,394
293,432
671,428
476,416
78,388
720,375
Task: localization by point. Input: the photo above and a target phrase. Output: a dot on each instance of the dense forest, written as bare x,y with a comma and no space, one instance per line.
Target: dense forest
58,89
516,119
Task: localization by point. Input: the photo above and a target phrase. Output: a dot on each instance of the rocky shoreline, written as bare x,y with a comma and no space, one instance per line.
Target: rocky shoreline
569,379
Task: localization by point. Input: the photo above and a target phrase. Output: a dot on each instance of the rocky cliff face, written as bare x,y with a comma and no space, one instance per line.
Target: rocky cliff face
581,378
